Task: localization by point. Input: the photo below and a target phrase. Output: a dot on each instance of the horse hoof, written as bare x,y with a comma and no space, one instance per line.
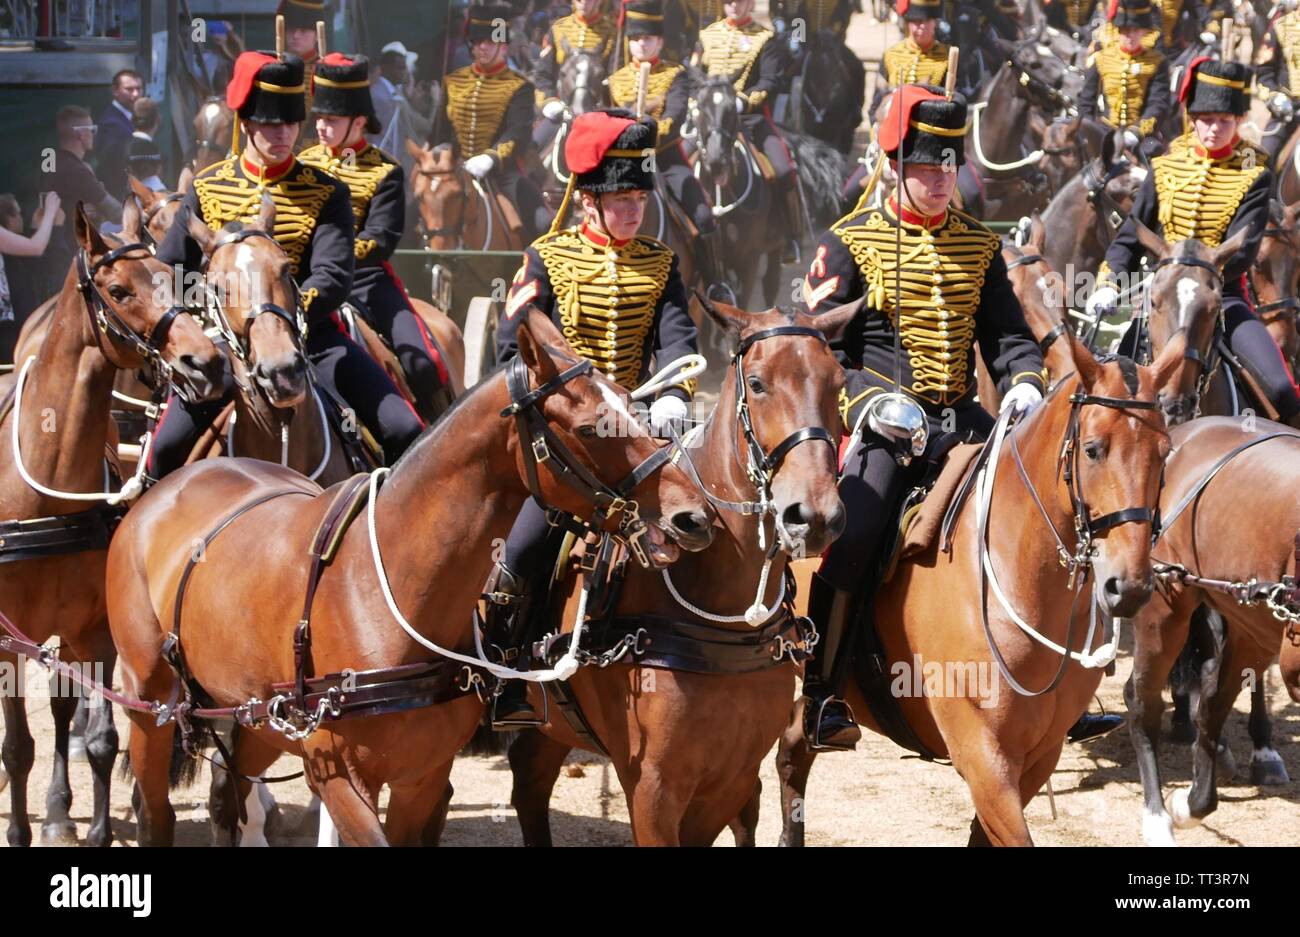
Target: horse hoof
1181,732
1267,768
1227,762
59,834
1179,812
1157,829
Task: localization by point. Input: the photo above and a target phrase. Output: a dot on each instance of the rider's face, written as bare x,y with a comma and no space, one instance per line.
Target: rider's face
488,53
339,132
301,41
645,48
273,142
1130,39
623,212
922,32
587,8
928,188
1215,130
738,9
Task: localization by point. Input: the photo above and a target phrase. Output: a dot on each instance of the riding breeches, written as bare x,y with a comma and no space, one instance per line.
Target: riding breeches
1249,340
384,303
529,545
687,192
520,191
768,138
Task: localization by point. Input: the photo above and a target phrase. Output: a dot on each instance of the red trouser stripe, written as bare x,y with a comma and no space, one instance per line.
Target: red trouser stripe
429,345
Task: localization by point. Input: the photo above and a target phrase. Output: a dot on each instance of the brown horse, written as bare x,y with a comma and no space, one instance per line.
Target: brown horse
1273,276
125,319
214,126
937,611
456,491
1209,558
456,211
687,734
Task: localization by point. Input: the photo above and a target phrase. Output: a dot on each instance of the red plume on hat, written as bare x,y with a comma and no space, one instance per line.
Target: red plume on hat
907,98
591,135
1189,77
1111,9
245,73
901,7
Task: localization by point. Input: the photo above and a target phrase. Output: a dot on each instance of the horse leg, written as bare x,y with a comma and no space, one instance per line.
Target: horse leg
794,761
18,753
1266,766
354,811
58,829
252,757
99,732
744,826
657,809
411,807
150,748
994,777
535,761
437,824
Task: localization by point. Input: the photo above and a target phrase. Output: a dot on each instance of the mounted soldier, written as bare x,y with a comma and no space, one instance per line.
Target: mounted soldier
587,29
314,226
741,50
667,96
1072,16
907,377
832,79
1130,78
1278,80
301,39
621,303
345,113
920,58
487,115
1209,185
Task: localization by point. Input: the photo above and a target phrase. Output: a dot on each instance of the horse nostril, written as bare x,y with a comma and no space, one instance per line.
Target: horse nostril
690,522
1112,587
796,515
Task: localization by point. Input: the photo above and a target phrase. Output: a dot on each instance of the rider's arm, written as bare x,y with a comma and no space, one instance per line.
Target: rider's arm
1010,352
516,127
675,104
1270,76
329,271
1156,106
1091,91
1252,214
546,72
177,246
385,220
833,279
768,76
1124,252
675,332
531,287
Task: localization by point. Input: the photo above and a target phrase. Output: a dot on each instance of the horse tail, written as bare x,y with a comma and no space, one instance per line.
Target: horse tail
822,170
182,772
485,741
1204,641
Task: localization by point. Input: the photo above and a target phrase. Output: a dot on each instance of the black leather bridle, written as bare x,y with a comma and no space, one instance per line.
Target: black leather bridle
1184,406
541,446
152,213
1286,308
241,345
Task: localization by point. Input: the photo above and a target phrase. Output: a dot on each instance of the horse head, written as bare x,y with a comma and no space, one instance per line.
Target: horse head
159,209
582,81
134,302
1185,297
255,304
1273,277
213,130
441,191
717,126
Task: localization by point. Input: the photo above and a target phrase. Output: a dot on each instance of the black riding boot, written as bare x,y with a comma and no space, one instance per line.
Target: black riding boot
708,252
828,722
509,602
1092,726
789,202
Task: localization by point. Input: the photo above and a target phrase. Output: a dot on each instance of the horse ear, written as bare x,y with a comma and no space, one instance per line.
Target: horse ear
1085,363
1037,234
833,322
266,214
1231,246
1154,243
730,319
1166,366
199,232
186,179
1112,147
131,219
146,195
537,337
88,235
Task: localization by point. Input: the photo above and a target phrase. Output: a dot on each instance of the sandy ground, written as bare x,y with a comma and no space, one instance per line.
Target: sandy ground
867,797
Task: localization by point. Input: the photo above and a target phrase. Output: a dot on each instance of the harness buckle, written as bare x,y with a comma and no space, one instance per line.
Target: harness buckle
540,451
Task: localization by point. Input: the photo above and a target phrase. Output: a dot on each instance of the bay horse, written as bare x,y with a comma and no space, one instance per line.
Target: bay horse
1208,558
937,610
743,200
1272,280
456,211
832,83
116,311
431,530
687,734
214,126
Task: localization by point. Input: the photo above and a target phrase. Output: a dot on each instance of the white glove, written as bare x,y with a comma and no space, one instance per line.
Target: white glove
1131,140
665,410
479,166
553,110
740,105
1103,301
1281,107
1021,398
1208,38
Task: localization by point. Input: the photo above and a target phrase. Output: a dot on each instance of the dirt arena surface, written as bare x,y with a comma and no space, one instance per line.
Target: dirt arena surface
867,797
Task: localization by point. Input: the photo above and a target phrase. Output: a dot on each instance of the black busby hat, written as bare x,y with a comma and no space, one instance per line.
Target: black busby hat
1126,13
607,151
301,14
1211,86
483,19
917,10
341,88
933,127
643,18
267,89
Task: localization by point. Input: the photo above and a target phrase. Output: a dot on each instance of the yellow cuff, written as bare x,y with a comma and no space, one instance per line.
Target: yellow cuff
363,247
306,296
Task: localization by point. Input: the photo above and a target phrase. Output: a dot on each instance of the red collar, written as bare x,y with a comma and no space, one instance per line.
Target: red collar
921,47
356,150
654,62
588,22
910,217
739,24
490,71
266,173
1222,153
600,240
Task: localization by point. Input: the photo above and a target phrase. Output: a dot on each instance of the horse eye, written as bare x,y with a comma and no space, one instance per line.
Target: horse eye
1093,450
588,431
117,292
756,385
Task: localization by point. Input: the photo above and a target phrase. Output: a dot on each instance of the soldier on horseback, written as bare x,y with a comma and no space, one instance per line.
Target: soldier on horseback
739,49
345,113
586,29
487,113
1072,16
920,58
666,100
954,294
620,301
1208,186
1279,80
1131,79
314,226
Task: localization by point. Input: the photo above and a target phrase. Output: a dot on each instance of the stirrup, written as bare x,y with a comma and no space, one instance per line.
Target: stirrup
814,738
522,722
